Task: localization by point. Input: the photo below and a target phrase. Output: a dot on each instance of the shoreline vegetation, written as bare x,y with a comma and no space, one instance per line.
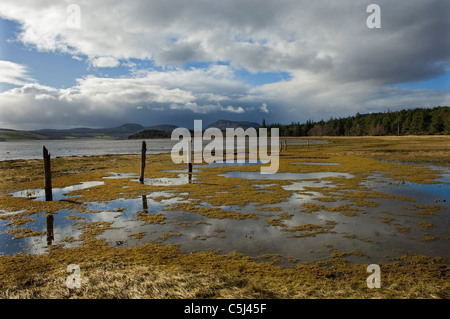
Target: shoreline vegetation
159,270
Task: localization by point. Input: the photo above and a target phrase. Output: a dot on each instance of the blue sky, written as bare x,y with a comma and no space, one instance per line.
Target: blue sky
151,62
48,68
61,70
440,82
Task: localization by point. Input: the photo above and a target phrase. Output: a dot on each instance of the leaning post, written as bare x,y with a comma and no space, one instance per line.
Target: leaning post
143,155
47,176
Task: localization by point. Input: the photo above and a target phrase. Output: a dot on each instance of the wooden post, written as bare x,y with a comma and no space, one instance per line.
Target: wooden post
285,145
47,176
144,203
189,157
143,153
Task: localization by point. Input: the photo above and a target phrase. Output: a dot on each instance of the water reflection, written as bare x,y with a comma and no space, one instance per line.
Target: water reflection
285,176
58,193
50,235
144,203
114,175
90,147
373,230
52,228
182,179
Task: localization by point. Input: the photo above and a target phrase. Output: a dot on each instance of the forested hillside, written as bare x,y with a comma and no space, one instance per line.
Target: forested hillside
405,122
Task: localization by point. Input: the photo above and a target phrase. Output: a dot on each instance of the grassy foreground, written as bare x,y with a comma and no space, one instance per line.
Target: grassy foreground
162,271
154,271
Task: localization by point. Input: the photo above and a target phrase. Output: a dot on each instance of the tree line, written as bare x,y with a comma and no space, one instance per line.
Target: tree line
150,134
419,121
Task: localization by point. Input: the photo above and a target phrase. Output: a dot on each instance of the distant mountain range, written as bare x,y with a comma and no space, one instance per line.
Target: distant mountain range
161,131
129,130
224,124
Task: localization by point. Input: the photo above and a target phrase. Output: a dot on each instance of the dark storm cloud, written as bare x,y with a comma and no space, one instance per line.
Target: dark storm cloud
412,44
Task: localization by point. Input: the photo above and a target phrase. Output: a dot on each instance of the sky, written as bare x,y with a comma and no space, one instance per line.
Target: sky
103,63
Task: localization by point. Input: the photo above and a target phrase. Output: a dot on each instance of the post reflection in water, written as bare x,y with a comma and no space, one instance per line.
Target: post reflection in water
144,203
50,236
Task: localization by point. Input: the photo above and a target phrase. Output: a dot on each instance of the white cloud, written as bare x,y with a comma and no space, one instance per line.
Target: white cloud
99,97
263,108
337,66
188,94
208,108
233,109
105,62
266,35
13,73
44,96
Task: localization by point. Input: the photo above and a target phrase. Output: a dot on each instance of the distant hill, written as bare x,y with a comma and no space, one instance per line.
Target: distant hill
150,134
129,130
156,131
109,133
119,132
162,131
13,135
224,124
123,130
163,127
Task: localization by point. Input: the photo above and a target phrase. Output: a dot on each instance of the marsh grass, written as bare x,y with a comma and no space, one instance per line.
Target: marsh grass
23,233
154,271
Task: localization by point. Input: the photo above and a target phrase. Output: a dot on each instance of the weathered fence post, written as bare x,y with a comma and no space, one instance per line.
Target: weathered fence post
47,176
143,155
189,157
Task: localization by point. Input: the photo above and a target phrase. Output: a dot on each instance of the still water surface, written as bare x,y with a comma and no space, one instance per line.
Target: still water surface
90,147
373,231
